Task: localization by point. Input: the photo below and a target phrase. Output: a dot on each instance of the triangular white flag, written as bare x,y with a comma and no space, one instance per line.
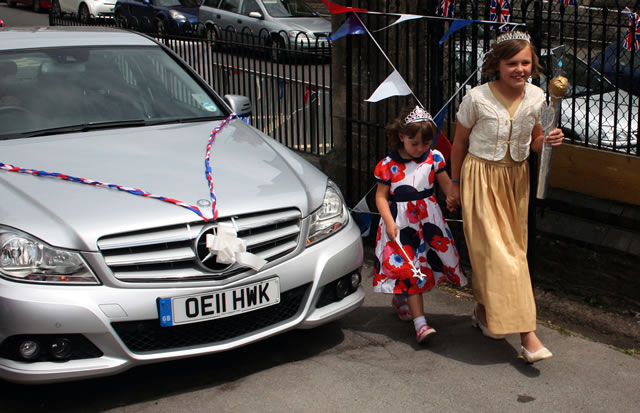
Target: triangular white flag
402,18
394,85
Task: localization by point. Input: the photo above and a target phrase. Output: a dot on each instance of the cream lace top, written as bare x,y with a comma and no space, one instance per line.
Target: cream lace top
493,129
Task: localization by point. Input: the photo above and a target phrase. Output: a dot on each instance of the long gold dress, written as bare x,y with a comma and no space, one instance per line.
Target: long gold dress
495,199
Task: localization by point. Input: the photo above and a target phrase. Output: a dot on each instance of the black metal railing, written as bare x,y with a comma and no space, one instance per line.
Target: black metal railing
287,79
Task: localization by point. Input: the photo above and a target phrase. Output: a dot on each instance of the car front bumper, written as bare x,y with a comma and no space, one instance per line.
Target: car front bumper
99,314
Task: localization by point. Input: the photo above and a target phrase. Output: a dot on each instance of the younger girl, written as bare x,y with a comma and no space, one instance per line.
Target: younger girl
414,247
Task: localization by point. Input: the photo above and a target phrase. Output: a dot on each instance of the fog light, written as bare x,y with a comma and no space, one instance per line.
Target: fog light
355,281
61,348
342,288
29,349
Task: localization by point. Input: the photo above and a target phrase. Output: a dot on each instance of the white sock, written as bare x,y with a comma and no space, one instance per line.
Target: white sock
419,322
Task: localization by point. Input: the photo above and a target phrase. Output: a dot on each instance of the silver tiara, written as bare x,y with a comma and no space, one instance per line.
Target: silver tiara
514,35
418,114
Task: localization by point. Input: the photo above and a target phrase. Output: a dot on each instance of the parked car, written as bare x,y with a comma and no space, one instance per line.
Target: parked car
620,66
593,108
85,9
99,276
158,16
284,24
37,5
605,116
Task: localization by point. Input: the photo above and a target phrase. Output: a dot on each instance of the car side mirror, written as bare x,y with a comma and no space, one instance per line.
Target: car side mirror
256,15
241,105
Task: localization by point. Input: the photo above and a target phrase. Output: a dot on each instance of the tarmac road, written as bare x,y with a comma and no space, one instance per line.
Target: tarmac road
366,362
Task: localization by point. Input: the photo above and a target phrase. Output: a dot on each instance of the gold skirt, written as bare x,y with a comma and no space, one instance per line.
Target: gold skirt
495,199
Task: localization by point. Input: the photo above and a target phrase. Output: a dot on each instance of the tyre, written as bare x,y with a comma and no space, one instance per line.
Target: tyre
121,21
83,14
161,27
278,49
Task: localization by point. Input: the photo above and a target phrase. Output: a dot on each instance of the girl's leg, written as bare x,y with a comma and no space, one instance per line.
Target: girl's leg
532,349
416,305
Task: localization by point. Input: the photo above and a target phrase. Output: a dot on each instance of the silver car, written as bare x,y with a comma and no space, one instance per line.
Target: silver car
142,221
285,24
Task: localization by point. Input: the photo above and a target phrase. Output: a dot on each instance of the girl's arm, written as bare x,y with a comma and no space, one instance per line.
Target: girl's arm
444,181
382,203
459,151
537,138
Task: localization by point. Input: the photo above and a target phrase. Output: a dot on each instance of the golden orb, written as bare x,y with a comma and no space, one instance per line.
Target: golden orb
558,88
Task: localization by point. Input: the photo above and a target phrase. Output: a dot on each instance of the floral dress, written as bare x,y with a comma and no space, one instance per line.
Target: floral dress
422,230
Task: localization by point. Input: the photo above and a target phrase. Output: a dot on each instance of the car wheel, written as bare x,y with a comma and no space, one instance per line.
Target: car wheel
278,49
212,36
121,21
161,27
83,14
57,11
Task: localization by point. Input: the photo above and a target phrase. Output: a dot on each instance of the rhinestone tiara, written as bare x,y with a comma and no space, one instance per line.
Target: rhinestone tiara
418,114
514,35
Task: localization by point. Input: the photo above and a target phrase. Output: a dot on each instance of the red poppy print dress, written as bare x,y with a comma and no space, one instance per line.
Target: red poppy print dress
422,230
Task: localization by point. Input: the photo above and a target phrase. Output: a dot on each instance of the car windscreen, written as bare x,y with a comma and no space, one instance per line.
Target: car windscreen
178,3
289,8
54,88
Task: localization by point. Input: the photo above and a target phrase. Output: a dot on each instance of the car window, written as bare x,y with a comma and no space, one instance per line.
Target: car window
177,3
289,8
229,5
66,87
211,3
250,5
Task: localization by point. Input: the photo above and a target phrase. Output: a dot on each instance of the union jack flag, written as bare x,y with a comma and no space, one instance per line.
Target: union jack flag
500,13
446,9
633,31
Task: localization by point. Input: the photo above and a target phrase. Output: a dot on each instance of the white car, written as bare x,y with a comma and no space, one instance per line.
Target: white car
85,9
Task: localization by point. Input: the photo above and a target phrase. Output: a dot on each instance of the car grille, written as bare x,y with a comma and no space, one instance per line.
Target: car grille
175,253
148,335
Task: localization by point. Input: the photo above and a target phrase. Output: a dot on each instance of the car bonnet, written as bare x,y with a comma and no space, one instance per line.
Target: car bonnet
250,172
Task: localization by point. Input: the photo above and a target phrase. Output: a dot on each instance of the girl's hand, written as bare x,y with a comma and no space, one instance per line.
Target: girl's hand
453,199
392,230
555,137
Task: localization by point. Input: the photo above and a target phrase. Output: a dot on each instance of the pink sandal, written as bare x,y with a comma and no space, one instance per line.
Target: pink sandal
402,308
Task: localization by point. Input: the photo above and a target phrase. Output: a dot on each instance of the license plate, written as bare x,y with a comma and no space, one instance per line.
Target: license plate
218,304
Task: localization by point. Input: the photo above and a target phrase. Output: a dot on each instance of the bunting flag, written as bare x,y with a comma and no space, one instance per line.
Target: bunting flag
500,13
337,9
351,25
455,26
393,85
364,216
402,18
633,31
447,8
567,2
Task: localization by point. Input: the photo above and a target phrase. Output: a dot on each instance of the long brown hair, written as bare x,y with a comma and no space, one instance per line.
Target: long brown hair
506,50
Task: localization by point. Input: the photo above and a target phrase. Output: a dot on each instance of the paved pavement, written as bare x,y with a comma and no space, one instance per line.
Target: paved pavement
366,362
370,362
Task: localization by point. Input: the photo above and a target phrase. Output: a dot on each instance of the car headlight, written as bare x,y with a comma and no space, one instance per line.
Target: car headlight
24,258
176,15
330,218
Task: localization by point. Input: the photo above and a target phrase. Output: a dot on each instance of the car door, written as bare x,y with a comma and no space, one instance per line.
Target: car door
69,6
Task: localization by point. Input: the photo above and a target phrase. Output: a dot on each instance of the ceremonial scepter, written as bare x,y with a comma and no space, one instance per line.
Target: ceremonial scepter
550,117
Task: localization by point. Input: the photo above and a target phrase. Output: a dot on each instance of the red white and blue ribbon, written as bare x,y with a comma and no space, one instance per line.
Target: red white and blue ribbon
137,191
633,32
